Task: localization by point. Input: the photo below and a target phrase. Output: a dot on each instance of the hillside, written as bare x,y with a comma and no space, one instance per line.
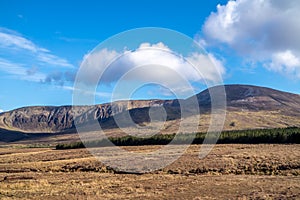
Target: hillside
247,107
254,98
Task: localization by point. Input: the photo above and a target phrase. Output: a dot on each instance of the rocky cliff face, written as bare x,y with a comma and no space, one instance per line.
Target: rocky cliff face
49,119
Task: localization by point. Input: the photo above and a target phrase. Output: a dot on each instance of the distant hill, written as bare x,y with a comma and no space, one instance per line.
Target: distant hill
247,107
255,98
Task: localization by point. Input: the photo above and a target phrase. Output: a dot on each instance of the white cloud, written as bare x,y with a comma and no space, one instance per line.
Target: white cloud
262,30
160,46
19,71
22,59
10,39
53,60
150,63
87,92
1,110
13,41
208,65
95,64
285,62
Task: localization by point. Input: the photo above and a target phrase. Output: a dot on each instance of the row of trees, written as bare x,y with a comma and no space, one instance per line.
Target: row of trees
278,135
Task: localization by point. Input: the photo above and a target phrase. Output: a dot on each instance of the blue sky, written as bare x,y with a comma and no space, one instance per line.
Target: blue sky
43,43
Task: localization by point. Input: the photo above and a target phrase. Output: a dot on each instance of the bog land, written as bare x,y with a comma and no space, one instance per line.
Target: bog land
230,171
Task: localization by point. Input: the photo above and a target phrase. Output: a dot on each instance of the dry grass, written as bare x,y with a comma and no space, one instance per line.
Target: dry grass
80,185
228,172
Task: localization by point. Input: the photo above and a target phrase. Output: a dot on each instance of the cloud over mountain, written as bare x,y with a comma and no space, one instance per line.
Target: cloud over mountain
150,63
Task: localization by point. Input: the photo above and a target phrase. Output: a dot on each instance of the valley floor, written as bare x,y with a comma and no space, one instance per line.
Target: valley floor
233,171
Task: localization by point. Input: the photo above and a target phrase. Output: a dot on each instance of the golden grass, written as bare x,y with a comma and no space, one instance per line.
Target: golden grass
232,171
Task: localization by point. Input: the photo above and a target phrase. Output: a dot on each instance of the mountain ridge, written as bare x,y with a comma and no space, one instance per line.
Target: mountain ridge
60,119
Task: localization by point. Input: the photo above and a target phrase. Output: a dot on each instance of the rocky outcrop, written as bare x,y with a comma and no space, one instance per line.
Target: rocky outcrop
51,119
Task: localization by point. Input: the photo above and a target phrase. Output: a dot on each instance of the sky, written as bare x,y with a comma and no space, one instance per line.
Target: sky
44,43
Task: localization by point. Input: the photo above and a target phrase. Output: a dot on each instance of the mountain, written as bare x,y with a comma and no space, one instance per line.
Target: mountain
52,119
255,98
247,107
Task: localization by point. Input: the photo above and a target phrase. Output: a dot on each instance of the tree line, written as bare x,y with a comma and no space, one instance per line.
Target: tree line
290,135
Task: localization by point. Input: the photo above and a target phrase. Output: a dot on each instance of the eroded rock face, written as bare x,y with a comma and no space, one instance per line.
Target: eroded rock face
61,118
38,118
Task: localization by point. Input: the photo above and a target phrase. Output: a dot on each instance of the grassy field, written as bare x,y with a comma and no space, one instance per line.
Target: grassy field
230,171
